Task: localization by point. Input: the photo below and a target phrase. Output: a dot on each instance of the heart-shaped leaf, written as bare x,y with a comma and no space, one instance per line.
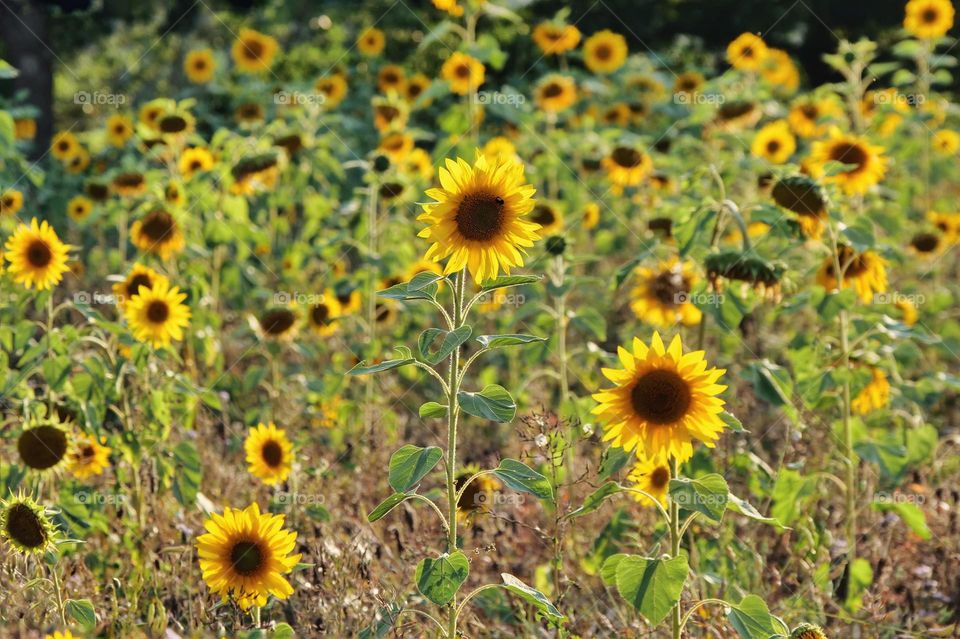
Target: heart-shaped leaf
439,579
651,586
707,495
523,479
410,464
493,402
752,619
432,409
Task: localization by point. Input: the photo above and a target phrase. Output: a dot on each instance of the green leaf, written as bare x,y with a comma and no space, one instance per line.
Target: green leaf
832,303
383,622
752,619
747,509
83,612
595,499
283,631
860,578
451,340
591,321
732,422
608,572
386,506
909,513
405,360
614,460
189,473
651,586
439,579
771,383
513,339
432,409
410,464
707,495
533,597
494,402
521,478
860,234
507,281
423,286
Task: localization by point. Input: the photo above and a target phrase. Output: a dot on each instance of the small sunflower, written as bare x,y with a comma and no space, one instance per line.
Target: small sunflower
779,70
806,198
807,115
478,495
158,315
416,86
928,19
37,256
774,142
927,244
390,112
688,83
662,401
866,272
626,166
78,162
477,219
463,72
333,88
245,554
176,124
277,323
653,478
151,111
869,165
396,146
173,194
199,66
11,201
89,458
44,447
556,93
249,113
26,525
66,634
64,146
253,51
591,215
119,129
874,396
747,52
419,163
946,142
79,207
158,233
662,295
392,77
371,42
605,51
548,217
195,160
322,315
349,299
269,454
554,39
948,224
138,276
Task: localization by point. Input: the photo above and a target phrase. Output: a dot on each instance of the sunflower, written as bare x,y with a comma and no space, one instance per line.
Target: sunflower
908,310
64,146
779,70
277,323
152,110
555,93
390,113
195,160
548,217
605,51
253,51
138,276
158,233
927,244
947,223
591,215
946,142
450,6
24,128
244,555
89,458
173,194
463,72
44,447
37,256
418,163
874,396
662,400
500,148
392,77
617,114
269,454
653,478
554,39
807,114
199,66
928,19
326,412
157,315
869,165
866,272
626,166
807,631
176,124
11,201
416,86
477,218
806,198
662,295
478,494
747,52
119,129
774,142
396,146
349,299
371,42
79,207
322,315
79,162
26,525
66,634
256,173
129,184
333,88
688,83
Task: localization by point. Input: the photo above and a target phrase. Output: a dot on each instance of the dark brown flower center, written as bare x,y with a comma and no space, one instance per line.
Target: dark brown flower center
272,453
543,215
158,225
390,77
253,49
801,198
661,397
669,287
603,52
660,477
388,113
925,242
128,180
930,15
158,311
39,254
626,157
87,452
42,447
462,71
480,216
552,90
734,110
173,124
810,111
246,557
773,146
24,527
277,321
138,280
848,153
320,314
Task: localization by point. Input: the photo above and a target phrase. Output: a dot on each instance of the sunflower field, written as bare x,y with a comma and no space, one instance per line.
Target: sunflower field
478,318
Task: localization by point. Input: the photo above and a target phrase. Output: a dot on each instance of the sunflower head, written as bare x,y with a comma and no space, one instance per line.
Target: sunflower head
626,166
26,525
333,88
928,19
865,163
556,93
865,272
662,295
324,313
651,477
38,259
747,52
199,66
11,201
159,233
269,454
774,142
157,315
371,41
807,631
277,323
44,447
463,72
89,457
138,276
605,51
253,51
554,39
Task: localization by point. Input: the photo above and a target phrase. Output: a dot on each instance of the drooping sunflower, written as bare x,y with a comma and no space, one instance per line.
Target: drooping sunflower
333,88
477,219
804,197
869,165
626,166
747,52
874,396
79,208
253,51
463,72
548,216
371,42
64,146
946,142
866,272
323,314
556,93
662,401
26,525
661,296
392,77
605,51
269,454
119,129
158,233
652,477
44,447
11,201
37,256
774,142
807,115
245,554
554,39
157,315
928,19
256,173
138,276
807,631
195,160
89,457
477,497
199,65
277,323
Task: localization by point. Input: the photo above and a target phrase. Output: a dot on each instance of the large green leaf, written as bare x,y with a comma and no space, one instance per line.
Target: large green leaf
707,495
595,499
533,597
521,478
439,579
752,619
512,339
410,464
422,287
493,402
81,611
651,586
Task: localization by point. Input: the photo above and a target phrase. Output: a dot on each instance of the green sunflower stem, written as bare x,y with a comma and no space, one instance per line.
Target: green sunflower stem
256,616
61,608
49,337
676,616
371,295
453,386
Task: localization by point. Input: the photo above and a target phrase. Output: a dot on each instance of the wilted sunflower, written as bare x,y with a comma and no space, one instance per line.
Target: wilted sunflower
253,51
804,197
199,66
244,555
157,315
807,631
745,266
322,315
79,207
747,52
662,400
774,142
866,272
158,233
874,396
662,295
89,457
138,276
119,130
554,39
392,77
626,166
333,88
11,201
279,323
26,525
269,454
477,219
869,165
37,256
195,160
653,478
807,115
928,19
371,42
44,447
556,93
129,184
463,72
64,146
605,51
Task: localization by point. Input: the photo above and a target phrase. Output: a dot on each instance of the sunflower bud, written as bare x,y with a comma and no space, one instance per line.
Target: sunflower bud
807,631
556,245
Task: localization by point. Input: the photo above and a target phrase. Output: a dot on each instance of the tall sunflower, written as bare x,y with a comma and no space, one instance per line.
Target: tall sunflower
605,51
89,457
253,51
158,315
652,477
245,554
37,256
269,454
662,295
158,233
928,19
868,164
26,525
477,219
866,272
662,401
